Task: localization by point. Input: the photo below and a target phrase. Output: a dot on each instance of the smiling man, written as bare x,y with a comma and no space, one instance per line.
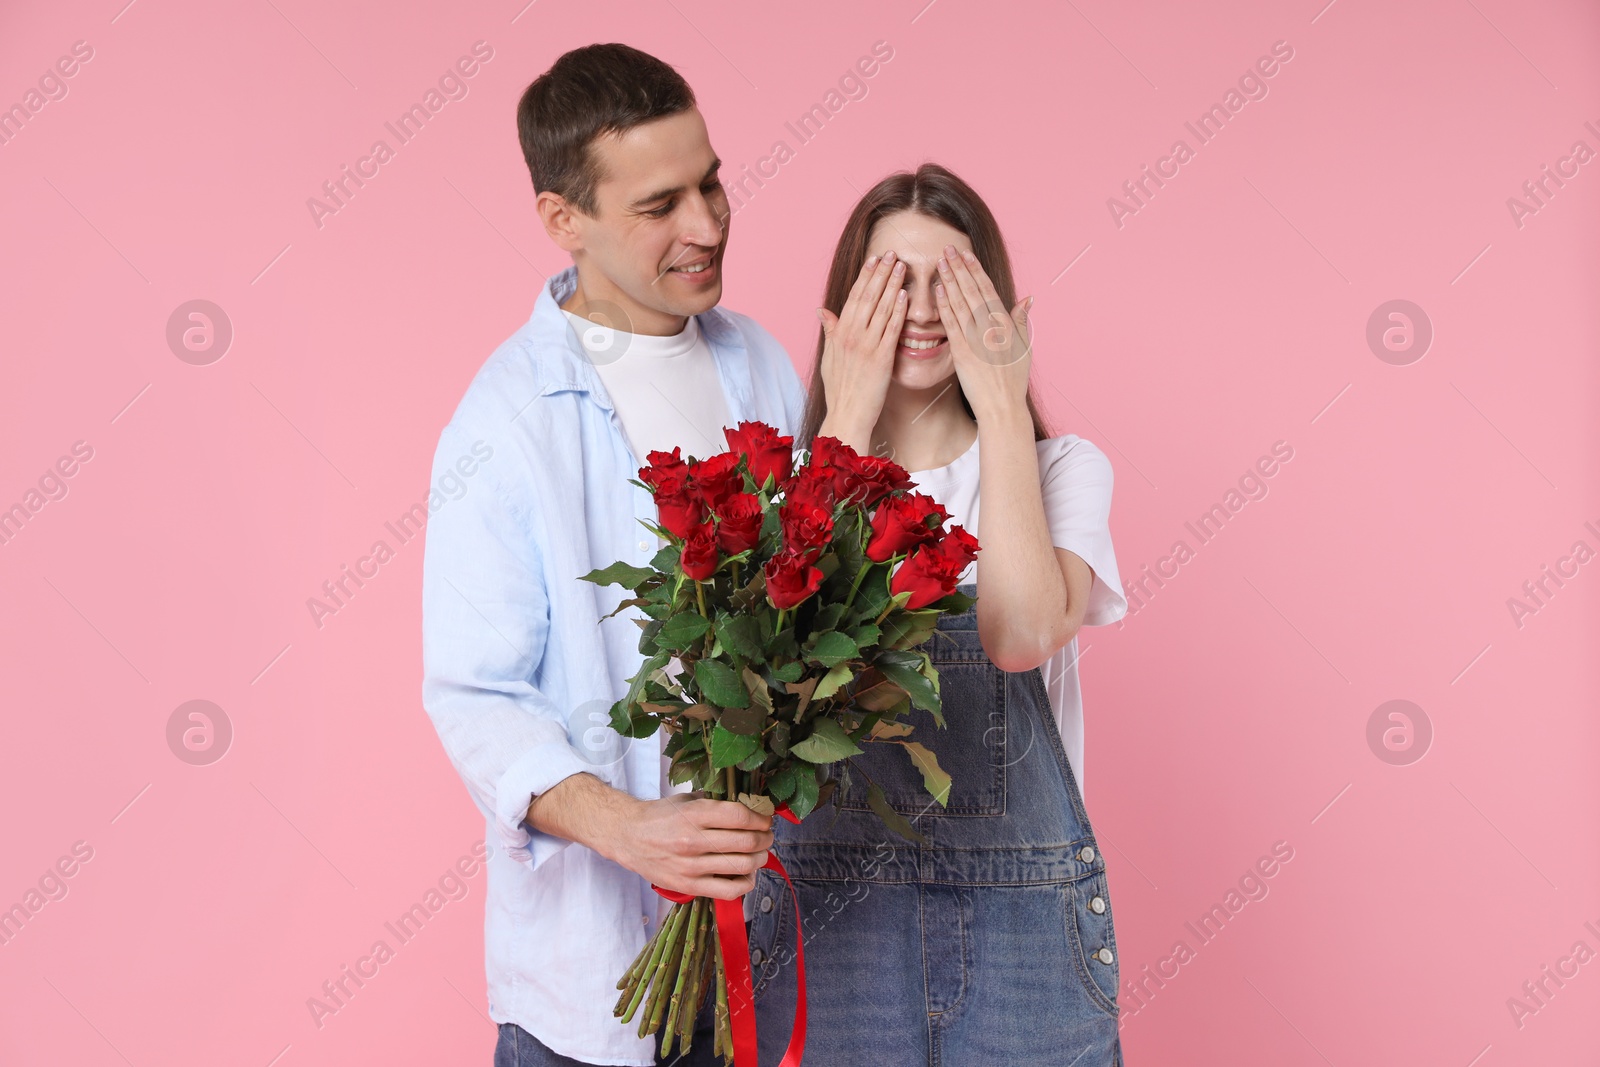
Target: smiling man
626,352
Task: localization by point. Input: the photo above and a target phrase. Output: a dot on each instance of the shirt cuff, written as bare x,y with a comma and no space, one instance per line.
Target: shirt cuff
538,771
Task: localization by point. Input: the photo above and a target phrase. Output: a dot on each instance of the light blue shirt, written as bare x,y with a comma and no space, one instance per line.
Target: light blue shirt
519,670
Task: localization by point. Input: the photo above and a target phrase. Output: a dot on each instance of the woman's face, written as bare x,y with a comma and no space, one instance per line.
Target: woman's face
922,358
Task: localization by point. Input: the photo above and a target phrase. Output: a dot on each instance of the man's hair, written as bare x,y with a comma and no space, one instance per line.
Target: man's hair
590,91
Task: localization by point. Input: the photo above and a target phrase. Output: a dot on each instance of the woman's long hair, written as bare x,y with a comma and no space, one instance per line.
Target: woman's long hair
930,190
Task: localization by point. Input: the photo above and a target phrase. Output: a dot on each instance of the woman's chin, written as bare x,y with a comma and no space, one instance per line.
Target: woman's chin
916,375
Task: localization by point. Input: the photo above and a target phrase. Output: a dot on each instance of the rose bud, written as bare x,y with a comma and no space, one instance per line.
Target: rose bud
699,557
739,523
767,453
790,580
901,523
927,575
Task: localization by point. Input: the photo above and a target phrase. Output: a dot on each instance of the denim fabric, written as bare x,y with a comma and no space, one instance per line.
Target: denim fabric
988,944
518,1048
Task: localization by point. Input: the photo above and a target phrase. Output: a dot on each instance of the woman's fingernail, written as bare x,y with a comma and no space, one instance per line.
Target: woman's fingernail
872,261
819,314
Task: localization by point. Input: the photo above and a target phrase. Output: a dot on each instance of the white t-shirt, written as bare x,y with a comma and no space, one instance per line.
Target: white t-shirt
666,390
1075,479
667,395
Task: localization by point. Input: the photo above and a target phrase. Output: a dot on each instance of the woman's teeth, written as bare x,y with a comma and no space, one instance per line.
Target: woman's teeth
696,269
921,345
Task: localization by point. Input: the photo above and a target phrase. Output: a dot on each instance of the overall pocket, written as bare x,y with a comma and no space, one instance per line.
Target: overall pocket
971,748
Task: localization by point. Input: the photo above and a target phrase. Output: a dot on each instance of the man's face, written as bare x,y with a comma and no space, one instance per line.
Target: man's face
654,246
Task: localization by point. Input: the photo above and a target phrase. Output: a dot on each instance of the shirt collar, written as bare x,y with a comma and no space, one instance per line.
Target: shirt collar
560,363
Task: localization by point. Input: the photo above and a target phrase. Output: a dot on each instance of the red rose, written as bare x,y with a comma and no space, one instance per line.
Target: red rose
806,528
811,484
681,509
928,575
843,465
739,523
958,546
882,476
790,579
901,523
662,467
716,478
699,556
766,452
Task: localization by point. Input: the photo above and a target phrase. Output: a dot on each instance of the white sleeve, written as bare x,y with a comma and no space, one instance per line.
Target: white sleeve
1075,481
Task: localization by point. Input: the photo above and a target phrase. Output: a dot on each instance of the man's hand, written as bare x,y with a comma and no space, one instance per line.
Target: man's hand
694,844
685,841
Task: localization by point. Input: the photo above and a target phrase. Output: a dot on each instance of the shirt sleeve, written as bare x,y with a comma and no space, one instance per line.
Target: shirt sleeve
1076,480
485,617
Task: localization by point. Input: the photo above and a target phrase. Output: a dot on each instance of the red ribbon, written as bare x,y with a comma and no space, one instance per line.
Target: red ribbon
736,965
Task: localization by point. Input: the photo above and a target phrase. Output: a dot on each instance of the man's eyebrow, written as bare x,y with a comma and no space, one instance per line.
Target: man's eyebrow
662,194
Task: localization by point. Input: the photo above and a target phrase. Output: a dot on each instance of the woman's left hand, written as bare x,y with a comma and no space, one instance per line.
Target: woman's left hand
990,345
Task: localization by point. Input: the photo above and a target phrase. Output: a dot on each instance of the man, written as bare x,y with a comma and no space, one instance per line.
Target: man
626,352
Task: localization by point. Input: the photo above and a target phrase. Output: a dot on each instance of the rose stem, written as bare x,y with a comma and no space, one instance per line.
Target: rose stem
691,945
724,1034
643,980
688,1008
638,981
669,966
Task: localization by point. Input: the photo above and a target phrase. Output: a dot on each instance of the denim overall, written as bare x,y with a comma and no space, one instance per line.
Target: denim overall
990,945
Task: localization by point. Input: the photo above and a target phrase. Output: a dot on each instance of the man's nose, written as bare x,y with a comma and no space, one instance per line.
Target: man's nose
704,227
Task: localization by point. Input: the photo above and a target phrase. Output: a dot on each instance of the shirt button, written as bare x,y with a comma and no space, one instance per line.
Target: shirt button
1098,905
1104,955
766,903
643,545
756,956
1086,854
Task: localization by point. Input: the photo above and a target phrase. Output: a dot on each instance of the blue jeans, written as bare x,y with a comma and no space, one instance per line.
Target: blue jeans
518,1048
991,942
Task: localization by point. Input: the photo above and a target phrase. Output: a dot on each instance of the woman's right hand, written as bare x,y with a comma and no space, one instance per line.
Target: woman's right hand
858,351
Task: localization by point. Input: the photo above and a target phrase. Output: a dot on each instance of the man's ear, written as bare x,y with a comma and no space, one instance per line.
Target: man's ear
559,223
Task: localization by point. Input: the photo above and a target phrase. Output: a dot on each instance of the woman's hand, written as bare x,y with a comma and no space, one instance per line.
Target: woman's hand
990,345
858,351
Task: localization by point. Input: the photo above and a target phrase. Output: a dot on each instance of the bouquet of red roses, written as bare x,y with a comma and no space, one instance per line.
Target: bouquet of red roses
795,599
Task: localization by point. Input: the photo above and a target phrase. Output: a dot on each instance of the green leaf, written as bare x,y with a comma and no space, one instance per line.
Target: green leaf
682,631
832,649
955,603
789,672
933,776
904,670
619,573
905,629
754,760
827,618
781,785
778,739
741,634
719,685
728,748
805,790
891,818
630,720
647,636
828,743
667,558
866,635
832,681
873,596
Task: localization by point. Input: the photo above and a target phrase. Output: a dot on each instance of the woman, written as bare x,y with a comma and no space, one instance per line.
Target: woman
991,942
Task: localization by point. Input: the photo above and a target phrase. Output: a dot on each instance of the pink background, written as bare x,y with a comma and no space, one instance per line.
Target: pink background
1229,313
